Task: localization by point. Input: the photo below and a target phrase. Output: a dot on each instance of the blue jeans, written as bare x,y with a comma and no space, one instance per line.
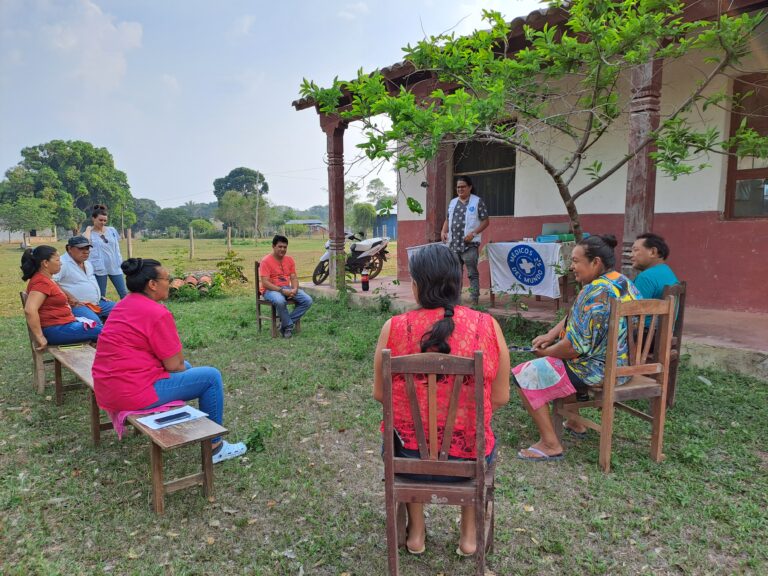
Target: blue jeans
303,302
106,308
118,281
71,333
203,384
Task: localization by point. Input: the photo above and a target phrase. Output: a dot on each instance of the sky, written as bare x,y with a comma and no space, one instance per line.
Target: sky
183,91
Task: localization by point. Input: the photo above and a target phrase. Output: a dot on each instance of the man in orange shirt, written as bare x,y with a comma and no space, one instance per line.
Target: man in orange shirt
279,284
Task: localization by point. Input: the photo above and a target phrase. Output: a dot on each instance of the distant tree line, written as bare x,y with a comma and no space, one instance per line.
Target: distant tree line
56,184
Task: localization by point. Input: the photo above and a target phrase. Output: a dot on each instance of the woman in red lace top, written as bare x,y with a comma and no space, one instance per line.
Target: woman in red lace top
441,325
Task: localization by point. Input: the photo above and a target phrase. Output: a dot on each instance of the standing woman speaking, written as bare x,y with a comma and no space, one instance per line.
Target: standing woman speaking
105,253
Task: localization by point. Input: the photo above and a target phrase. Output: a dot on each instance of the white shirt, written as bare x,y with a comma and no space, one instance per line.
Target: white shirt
81,284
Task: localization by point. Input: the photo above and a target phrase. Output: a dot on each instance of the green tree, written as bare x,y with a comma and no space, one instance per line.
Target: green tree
27,214
294,230
201,226
74,175
171,218
363,216
246,181
568,83
377,191
146,211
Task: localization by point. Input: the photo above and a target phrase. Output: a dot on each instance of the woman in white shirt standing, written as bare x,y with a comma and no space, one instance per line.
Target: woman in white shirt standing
105,254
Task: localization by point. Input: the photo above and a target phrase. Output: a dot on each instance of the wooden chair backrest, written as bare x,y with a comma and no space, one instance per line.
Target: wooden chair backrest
434,453
678,291
640,338
256,265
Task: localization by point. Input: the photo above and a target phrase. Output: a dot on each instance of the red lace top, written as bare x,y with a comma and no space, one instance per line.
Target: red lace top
474,331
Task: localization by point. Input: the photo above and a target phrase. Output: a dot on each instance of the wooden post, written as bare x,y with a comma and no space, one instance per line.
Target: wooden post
334,128
191,242
437,193
129,242
641,169
229,238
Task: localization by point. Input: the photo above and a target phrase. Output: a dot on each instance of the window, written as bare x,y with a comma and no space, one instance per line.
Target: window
747,188
492,169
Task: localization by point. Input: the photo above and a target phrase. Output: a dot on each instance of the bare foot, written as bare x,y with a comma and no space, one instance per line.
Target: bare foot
574,427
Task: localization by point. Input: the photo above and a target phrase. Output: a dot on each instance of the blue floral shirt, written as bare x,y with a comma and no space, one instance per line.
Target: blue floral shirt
587,326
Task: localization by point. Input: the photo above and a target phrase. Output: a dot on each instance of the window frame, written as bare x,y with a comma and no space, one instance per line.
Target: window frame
511,170
733,174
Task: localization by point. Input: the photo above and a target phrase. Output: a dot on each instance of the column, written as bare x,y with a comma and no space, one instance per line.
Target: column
641,170
334,127
437,192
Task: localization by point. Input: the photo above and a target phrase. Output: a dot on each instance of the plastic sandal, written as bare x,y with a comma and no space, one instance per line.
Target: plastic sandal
228,451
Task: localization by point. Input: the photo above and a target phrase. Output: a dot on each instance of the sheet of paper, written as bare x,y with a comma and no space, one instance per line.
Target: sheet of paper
187,413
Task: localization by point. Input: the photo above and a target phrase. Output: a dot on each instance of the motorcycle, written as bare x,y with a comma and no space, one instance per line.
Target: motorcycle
367,254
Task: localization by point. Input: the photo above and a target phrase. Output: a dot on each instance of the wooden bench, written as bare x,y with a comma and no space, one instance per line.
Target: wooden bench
78,359
80,362
198,430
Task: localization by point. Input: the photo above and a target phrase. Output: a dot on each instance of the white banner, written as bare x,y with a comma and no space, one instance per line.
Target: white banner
520,267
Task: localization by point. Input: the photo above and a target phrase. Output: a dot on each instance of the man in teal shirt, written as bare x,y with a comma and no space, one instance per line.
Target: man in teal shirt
649,255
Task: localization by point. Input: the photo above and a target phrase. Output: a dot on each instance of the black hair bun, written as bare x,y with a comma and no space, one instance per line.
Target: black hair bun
132,266
610,240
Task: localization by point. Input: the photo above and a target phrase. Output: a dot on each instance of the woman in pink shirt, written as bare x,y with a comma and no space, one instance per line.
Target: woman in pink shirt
139,360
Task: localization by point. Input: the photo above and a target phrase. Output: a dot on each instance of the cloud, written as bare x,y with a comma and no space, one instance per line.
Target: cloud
471,12
170,82
352,11
93,46
243,25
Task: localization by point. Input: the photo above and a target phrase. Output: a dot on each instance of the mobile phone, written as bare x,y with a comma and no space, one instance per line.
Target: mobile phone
178,417
514,348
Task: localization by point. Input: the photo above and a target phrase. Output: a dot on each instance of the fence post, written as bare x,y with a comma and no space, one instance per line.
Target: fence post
129,241
191,242
229,238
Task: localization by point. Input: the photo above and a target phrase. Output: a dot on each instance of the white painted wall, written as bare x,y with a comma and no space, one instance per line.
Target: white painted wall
409,185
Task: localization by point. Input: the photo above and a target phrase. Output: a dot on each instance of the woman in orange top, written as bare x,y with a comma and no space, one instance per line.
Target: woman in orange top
47,309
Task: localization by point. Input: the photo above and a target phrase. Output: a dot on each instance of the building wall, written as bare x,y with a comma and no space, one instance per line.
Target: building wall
724,262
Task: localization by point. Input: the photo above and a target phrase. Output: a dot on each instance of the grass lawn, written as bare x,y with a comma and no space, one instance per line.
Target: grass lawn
308,498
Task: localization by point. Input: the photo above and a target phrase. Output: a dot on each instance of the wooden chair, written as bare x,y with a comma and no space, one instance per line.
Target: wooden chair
478,487
272,316
678,292
649,377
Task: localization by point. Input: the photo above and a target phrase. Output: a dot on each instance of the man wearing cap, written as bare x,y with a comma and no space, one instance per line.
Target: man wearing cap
78,281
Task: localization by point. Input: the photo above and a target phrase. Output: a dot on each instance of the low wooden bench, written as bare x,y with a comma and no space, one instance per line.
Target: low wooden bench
78,359
201,430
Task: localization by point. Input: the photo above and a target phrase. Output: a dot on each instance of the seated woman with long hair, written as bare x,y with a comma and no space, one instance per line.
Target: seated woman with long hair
140,363
571,356
49,316
441,325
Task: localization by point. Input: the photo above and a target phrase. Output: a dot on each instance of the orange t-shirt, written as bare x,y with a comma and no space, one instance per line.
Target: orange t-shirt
278,271
55,309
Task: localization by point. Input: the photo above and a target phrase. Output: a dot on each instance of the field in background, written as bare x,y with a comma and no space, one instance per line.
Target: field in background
306,252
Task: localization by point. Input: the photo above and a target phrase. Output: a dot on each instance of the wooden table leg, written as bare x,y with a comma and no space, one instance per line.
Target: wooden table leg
95,420
207,457
156,458
59,384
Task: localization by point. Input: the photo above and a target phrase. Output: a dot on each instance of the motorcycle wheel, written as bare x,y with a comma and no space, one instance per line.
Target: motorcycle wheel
375,266
321,273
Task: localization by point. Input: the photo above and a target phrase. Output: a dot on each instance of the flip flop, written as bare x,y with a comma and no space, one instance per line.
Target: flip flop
542,456
416,552
460,552
572,432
